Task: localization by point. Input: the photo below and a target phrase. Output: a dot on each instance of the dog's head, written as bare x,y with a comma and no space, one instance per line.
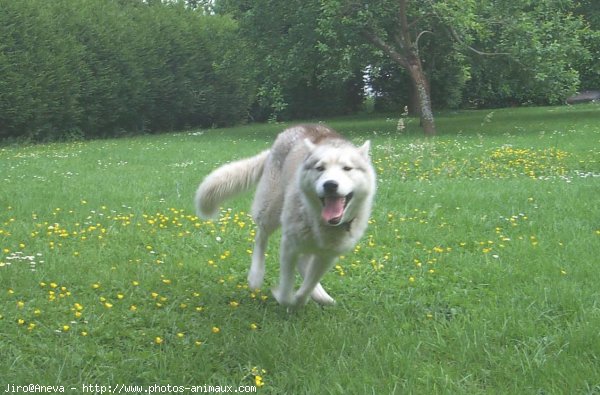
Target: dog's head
338,179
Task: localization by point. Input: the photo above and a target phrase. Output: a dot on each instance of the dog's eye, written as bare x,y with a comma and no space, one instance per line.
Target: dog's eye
320,168
347,168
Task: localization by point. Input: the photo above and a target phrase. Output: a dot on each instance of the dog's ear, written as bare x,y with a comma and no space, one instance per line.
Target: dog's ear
309,144
364,149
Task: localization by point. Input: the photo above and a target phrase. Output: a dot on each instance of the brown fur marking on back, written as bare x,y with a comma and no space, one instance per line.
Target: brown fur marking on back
317,133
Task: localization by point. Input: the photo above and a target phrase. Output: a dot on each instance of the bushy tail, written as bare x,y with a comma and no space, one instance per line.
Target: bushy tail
228,181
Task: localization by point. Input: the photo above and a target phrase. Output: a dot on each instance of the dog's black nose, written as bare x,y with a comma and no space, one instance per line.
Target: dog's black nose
330,186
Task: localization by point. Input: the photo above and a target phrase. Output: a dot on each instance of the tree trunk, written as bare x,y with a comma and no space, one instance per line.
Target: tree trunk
406,55
423,99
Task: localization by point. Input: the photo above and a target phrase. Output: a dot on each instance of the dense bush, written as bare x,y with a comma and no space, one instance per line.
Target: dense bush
98,68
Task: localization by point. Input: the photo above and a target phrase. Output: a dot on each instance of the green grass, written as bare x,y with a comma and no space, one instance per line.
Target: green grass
477,275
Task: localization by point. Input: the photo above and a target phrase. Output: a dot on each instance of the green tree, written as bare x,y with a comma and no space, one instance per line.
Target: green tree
387,26
536,38
589,67
543,41
289,68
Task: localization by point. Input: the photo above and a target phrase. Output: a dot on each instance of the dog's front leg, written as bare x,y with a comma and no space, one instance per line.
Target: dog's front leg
318,294
313,272
284,292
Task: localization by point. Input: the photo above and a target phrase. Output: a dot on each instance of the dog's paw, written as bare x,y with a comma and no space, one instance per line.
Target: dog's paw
296,305
283,297
324,301
255,279
321,296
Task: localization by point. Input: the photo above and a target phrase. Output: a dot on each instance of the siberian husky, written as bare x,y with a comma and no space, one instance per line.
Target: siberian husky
313,183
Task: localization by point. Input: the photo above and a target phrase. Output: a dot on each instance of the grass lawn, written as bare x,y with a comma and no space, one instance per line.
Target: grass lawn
477,275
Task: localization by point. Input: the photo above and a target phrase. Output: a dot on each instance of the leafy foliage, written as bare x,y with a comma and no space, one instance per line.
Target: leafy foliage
73,68
589,67
100,68
293,75
544,43
477,52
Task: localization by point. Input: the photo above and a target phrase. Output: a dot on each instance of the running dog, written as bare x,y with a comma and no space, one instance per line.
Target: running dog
313,183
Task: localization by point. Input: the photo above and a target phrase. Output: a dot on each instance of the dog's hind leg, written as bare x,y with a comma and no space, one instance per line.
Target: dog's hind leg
318,294
257,270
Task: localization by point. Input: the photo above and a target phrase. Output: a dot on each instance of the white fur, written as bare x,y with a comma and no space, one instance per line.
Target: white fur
228,181
291,185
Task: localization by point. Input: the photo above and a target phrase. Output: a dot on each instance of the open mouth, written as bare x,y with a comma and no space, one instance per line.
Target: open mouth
333,208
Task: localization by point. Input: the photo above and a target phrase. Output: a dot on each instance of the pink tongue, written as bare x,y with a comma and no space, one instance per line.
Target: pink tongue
333,209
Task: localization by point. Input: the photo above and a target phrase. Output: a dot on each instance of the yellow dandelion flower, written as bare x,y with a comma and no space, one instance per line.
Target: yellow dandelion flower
66,328
120,296
198,343
133,308
158,340
234,304
108,305
135,283
31,326
258,381
20,304
166,281
21,321
84,333
253,326
180,335
94,286
215,329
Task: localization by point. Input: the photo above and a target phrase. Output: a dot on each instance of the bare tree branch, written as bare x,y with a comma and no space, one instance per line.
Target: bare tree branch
419,36
387,48
478,52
